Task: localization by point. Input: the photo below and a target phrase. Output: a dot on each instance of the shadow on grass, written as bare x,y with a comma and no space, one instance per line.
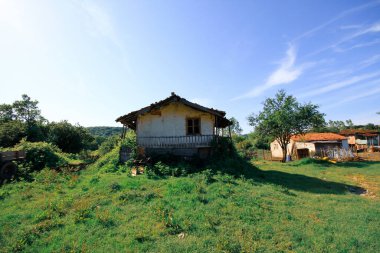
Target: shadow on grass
323,163
238,166
303,183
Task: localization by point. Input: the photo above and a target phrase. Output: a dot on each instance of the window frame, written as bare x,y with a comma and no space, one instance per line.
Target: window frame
193,125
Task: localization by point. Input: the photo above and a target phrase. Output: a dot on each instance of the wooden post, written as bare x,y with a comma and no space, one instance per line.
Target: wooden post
122,132
229,130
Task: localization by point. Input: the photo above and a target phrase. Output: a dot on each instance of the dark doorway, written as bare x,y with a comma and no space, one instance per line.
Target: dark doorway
302,153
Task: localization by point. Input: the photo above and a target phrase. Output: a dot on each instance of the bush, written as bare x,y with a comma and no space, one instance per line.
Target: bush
162,169
108,162
70,138
11,133
130,143
40,155
108,145
245,148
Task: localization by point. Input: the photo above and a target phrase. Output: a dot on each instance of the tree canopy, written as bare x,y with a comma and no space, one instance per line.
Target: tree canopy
235,127
283,116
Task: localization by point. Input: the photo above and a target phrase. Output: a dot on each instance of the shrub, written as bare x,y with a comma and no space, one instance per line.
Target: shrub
130,143
109,162
40,155
70,138
115,187
162,169
108,145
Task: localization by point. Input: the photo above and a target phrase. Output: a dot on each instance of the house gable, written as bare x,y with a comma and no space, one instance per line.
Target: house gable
130,120
171,120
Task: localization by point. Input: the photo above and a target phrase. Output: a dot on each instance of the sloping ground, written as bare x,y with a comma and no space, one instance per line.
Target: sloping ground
284,208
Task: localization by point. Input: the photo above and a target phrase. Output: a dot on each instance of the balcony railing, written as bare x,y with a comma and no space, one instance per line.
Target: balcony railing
188,141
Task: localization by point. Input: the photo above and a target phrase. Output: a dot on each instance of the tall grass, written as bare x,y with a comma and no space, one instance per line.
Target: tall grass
278,208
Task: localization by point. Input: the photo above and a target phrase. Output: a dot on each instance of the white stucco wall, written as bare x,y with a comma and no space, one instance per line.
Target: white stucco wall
308,145
172,121
276,149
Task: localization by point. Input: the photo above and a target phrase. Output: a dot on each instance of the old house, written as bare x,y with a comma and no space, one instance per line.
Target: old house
361,139
176,126
309,144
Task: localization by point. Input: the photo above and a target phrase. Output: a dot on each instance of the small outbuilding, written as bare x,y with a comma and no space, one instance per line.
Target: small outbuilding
361,139
176,126
309,144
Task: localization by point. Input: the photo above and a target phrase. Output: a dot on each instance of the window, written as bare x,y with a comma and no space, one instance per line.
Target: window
193,126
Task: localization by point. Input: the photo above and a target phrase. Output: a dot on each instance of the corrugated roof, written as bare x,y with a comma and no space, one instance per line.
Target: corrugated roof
318,137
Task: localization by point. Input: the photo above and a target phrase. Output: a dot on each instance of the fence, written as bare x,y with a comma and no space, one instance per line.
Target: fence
188,141
339,154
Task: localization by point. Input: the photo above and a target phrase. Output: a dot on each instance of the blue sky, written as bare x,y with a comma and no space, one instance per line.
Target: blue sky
92,61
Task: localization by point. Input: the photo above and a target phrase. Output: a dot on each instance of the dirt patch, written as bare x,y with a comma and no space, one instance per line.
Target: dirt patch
369,156
367,188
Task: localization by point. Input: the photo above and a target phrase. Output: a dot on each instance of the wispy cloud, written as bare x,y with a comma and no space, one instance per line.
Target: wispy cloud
370,61
374,28
359,45
349,27
100,24
339,16
337,85
357,96
286,72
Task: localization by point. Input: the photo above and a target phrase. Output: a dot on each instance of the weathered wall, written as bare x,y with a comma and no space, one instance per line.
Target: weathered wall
172,121
308,145
277,151
351,140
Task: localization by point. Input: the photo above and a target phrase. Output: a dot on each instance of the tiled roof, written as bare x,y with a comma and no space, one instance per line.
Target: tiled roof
318,137
130,119
359,131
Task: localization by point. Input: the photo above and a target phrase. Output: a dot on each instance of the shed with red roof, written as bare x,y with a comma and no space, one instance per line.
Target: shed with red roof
310,144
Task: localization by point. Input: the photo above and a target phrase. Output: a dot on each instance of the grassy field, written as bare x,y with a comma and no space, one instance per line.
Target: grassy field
300,207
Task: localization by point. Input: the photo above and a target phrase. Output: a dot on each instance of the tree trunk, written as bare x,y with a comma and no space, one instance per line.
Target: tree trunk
284,153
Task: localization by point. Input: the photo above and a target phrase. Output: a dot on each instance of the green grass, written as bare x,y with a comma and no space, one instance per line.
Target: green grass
301,207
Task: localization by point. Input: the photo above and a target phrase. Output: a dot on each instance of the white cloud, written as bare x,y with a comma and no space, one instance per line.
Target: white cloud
349,27
287,72
360,95
100,23
370,61
339,16
374,28
341,84
359,45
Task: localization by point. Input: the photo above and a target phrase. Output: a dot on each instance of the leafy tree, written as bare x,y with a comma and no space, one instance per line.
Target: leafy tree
104,131
69,138
6,113
11,133
283,116
349,124
26,110
370,126
235,127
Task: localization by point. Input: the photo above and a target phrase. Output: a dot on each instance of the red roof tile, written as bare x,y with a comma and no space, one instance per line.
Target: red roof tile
358,131
318,137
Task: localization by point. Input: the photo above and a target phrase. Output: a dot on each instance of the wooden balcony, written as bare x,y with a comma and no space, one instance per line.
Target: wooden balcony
188,141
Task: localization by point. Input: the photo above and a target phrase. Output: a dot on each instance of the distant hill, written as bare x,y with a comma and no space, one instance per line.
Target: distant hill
104,131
